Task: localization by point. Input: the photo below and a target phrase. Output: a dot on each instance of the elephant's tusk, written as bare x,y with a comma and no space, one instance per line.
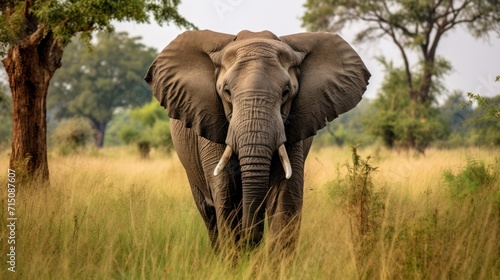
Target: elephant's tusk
285,161
228,152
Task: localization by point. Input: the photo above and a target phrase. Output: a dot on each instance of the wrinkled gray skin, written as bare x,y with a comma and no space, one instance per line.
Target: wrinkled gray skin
252,92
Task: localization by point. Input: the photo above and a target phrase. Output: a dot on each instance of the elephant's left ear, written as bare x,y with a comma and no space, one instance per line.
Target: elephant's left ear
332,81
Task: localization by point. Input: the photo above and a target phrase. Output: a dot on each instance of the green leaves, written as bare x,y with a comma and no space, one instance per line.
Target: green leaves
471,178
398,121
64,19
148,124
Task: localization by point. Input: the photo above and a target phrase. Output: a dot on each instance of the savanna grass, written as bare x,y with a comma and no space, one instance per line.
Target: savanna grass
110,215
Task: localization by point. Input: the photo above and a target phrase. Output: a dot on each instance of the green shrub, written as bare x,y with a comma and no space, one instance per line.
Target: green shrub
72,136
161,135
363,205
474,176
146,127
129,134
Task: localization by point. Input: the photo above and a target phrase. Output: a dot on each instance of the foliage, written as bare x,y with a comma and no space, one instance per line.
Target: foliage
399,122
413,26
474,176
491,110
146,126
484,125
72,136
485,128
410,24
94,84
363,205
65,19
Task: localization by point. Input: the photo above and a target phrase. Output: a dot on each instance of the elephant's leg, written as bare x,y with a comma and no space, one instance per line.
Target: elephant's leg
187,148
225,189
284,204
208,214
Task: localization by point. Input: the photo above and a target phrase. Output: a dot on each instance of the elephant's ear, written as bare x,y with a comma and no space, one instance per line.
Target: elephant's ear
332,81
182,78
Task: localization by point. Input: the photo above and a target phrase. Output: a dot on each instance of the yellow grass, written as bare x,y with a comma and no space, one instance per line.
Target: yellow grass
111,215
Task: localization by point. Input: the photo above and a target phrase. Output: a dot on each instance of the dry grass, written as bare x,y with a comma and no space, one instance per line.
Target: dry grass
111,215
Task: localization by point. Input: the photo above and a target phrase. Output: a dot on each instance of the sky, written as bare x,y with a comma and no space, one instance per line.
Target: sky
475,62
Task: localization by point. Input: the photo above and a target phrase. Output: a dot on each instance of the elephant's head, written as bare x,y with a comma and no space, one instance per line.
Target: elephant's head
255,92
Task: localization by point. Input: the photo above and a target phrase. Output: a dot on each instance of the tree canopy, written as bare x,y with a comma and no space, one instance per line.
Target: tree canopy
410,24
392,118
32,20
93,84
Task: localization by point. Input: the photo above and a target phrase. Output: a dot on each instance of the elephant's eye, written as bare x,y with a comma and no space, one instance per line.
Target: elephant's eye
286,91
227,90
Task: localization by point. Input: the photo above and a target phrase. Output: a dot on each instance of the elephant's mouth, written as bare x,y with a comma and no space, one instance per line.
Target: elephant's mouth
228,152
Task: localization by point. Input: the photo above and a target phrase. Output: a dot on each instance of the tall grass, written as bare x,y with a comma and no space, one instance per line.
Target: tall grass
112,215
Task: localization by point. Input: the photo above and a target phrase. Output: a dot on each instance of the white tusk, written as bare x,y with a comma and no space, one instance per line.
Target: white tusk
285,161
228,152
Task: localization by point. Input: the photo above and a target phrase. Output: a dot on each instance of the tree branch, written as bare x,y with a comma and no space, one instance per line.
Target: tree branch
409,78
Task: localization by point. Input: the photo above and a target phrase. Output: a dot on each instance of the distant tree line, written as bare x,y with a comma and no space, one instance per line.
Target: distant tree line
99,98
456,121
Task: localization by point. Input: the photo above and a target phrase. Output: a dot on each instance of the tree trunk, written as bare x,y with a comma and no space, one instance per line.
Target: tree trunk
425,87
30,65
99,132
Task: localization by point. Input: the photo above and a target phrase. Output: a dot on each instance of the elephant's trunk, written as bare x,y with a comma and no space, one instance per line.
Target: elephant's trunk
255,162
255,133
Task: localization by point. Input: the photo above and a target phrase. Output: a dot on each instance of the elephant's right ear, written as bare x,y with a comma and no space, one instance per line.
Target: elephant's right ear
182,78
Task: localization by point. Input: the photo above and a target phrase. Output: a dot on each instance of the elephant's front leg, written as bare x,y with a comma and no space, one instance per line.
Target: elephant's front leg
225,189
187,146
284,204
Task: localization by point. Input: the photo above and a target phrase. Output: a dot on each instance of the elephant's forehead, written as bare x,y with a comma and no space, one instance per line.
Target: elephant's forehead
257,49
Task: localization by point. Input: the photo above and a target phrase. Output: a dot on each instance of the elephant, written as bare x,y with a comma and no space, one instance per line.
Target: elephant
244,110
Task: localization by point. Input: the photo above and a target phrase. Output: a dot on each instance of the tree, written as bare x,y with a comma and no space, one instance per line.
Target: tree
392,119
92,85
410,25
33,34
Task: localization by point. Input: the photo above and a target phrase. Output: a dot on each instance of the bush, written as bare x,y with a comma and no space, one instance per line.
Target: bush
362,204
474,176
72,136
146,127
129,134
161,135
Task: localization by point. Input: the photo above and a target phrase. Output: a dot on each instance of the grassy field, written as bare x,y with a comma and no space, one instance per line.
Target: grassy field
109,215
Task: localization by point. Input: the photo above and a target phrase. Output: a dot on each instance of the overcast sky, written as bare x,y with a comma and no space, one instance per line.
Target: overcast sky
475,62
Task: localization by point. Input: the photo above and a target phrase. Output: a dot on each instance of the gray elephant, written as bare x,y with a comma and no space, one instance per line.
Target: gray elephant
244,110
